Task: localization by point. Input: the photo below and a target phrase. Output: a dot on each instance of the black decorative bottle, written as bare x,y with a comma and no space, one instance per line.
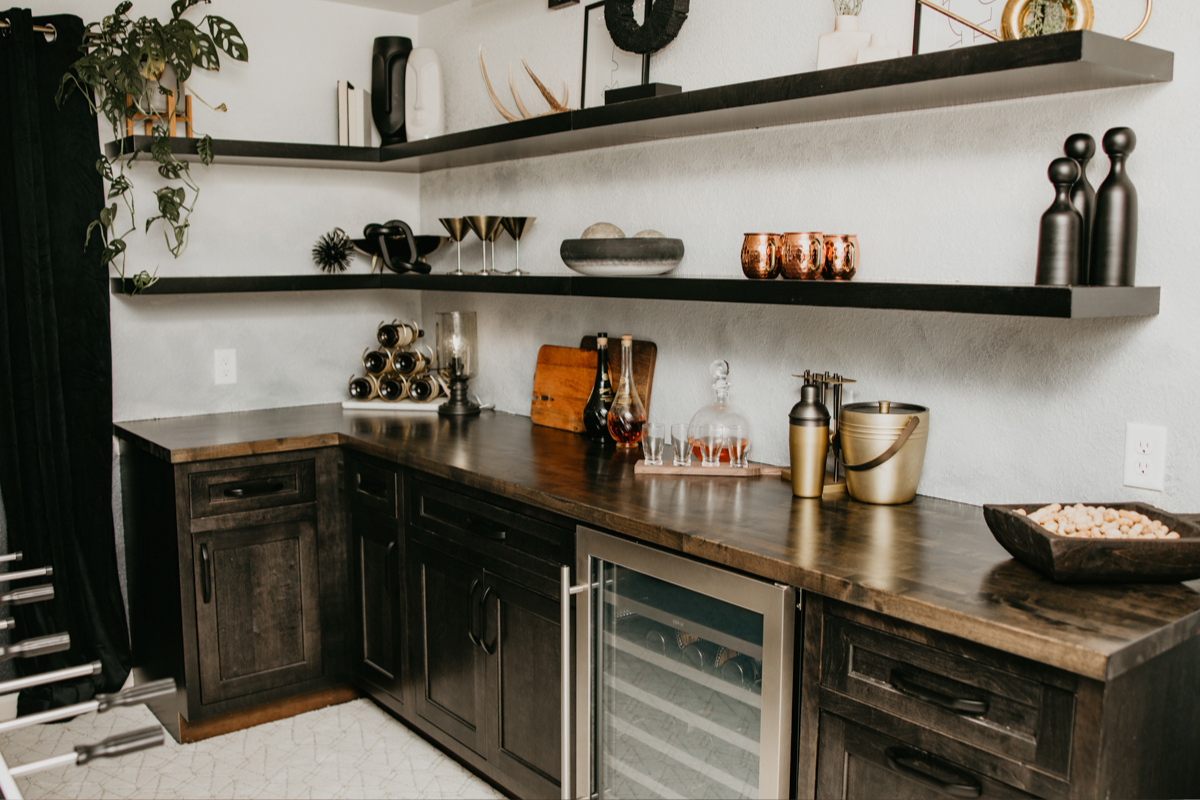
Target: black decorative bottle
1058,242
1114,235
595,413
389,60
1082,148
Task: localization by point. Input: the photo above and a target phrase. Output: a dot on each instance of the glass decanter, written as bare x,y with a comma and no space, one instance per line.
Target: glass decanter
627,415
722,416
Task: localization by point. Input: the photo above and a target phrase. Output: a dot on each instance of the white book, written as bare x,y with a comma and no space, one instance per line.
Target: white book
360,118
343,99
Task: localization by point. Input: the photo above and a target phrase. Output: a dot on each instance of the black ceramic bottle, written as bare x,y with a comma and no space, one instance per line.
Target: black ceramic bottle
595,413
1082,148
1058,242
1114,234
389,60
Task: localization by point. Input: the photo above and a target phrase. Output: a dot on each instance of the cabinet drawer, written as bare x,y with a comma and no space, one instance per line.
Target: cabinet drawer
1002,706
857,762
374,487
231,491
489,527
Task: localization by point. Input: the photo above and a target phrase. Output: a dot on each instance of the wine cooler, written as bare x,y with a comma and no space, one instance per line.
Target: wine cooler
683,677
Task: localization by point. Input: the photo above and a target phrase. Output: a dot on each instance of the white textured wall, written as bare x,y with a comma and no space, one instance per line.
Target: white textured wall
293,348
1022,409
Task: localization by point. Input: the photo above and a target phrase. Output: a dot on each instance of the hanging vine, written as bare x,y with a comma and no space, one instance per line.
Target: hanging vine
121,73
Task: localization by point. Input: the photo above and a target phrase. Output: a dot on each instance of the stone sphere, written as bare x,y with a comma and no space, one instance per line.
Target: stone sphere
603,230
649,234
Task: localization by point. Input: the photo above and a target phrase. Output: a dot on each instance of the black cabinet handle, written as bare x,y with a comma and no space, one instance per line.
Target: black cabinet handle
490,650
372,488
472,607
916,764
255,489
205,574
901,682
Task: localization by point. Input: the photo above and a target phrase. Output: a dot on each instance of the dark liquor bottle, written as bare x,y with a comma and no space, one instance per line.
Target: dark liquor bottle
362,388
595,413
392,388
1114,236
743,671
388,334
375,362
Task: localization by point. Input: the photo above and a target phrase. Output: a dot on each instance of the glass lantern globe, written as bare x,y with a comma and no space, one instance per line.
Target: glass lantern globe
457,343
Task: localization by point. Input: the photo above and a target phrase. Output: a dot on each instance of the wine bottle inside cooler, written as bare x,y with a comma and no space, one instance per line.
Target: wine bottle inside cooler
742,670
701,653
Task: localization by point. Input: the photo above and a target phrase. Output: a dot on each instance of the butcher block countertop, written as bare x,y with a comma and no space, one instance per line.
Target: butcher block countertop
930,562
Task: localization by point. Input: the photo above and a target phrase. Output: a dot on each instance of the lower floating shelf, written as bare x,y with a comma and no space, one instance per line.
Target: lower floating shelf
1062,302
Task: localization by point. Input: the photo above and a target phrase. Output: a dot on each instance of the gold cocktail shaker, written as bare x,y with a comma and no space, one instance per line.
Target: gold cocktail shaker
808,441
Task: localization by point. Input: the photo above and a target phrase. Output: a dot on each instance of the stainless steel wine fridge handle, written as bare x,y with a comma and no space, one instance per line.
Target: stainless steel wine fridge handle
565,592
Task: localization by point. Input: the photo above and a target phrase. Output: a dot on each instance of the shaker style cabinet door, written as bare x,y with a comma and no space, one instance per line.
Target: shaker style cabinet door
445,602
257,608
524,634
856,762
376,575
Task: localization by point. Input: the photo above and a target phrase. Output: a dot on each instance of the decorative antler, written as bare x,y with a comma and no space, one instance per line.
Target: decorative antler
556,106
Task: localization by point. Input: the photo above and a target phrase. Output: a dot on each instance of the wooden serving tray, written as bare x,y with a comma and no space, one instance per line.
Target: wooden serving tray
697,470
1067,559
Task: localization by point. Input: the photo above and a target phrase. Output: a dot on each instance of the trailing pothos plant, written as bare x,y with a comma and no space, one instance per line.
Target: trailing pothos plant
126,58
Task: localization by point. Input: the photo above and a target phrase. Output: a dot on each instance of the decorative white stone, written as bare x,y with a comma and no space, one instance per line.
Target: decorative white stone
649,233
424,106
840,47
603,230
878,51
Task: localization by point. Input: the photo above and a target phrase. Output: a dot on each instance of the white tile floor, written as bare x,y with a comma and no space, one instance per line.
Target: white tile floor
350,750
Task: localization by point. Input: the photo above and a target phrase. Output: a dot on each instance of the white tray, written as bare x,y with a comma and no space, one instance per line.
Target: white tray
400,406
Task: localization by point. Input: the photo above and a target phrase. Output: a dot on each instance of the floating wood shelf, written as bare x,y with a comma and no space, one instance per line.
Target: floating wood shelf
1063,302
1067,62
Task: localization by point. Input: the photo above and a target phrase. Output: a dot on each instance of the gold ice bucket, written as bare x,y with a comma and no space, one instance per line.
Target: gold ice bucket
883,448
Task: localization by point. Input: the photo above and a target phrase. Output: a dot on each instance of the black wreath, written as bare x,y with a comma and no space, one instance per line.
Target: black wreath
663,21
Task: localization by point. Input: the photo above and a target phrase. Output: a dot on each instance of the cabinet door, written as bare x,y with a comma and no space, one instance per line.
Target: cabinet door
257,608
524,633
854,762
376,569
445,594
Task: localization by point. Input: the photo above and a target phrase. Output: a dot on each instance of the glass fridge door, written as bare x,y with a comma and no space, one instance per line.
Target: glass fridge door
689,679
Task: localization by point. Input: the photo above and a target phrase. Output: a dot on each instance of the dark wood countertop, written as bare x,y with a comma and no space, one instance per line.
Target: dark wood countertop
931,562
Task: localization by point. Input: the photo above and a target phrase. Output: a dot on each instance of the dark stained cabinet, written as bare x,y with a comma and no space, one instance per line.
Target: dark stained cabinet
258,610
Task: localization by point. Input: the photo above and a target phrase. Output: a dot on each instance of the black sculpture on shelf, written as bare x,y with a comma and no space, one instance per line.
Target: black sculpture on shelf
1114,235
389,60
664,18
1082,148
1058,243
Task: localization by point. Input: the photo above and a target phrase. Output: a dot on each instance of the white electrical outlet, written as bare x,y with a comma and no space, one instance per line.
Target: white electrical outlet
224,366
1145,456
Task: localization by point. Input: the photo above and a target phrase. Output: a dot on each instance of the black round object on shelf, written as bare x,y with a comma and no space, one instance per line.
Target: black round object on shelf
1114,236
663,21
1058,241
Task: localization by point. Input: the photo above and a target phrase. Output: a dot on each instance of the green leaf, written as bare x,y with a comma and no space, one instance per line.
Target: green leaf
180,6
226,36
90,228
160,147
205,148
207,56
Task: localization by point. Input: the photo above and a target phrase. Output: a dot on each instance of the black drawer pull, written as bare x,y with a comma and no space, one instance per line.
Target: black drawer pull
256,489
372,487
205,574
962,705
916,765
474,623
489,649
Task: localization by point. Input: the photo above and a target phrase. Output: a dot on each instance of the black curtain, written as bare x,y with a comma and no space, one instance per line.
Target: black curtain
56,361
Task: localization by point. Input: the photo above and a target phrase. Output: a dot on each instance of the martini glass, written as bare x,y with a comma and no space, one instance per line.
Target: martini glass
516,227
457,228
499,229
486,227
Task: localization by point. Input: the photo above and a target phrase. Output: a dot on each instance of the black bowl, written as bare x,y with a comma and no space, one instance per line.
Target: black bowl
1067,559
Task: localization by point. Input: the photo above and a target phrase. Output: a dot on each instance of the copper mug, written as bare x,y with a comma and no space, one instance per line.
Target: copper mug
760,255
841,256
803,256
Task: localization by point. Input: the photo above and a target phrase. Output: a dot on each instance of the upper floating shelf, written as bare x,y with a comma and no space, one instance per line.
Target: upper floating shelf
1075,61
1063,302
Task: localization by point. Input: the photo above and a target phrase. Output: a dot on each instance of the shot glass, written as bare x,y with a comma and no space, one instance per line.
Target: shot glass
712,442
681,443
653,437
739,446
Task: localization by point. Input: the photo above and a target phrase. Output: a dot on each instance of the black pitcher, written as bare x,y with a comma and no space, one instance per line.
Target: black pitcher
388,63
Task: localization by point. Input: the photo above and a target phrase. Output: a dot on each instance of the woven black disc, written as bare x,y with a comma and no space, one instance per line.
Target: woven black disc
662,25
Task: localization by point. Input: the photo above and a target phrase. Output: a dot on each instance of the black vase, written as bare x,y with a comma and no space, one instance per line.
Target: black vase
389,60
1114,235
1058,244
1082,148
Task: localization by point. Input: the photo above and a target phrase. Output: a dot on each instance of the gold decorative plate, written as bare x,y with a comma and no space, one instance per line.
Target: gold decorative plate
1079,16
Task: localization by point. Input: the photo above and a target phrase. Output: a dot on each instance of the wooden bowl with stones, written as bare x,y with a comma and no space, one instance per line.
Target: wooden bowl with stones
1070,559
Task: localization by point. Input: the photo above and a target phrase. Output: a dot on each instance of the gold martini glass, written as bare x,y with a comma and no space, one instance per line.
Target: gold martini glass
516,227
457,228
487,228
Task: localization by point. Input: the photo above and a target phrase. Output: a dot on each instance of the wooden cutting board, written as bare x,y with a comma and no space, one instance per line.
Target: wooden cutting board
562,383
645,354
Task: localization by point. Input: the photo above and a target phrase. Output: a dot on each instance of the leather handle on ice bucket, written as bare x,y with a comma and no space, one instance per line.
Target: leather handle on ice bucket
886,455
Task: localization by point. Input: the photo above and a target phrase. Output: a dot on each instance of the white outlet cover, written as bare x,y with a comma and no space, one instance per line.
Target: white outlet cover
224,367
1145,456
